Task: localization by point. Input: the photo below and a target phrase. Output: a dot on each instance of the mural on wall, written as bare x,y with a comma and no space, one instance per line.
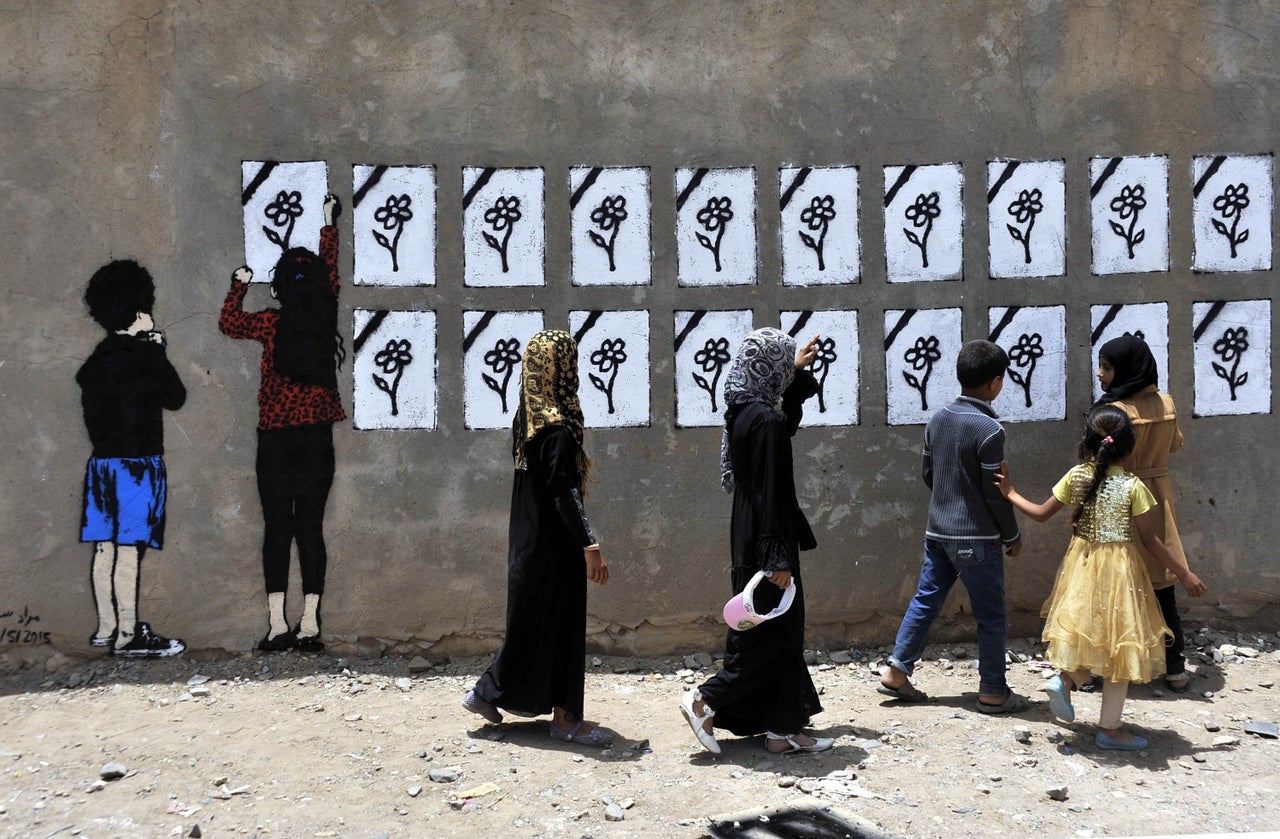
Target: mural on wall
1149,321
613,367
493,347
298,403
704,345
393,212
1232,357
1231,207
920,351
282,209
1035,337
610,225
924,222
503,228
1129,206
126,385
835,366
819,227
394,369
1027,218
715,226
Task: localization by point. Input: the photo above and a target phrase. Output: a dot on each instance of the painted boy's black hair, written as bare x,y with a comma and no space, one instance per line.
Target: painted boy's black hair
117,292
979,362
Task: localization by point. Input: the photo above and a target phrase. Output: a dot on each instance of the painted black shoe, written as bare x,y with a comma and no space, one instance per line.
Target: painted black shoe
147,644
307,643
281,643
103,640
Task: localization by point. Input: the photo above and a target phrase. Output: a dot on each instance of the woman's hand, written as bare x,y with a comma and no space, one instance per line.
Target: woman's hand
1192,584
243,274
597,568
781,579
806,354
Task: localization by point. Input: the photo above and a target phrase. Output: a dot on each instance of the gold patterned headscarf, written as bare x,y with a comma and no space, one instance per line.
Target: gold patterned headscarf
549,393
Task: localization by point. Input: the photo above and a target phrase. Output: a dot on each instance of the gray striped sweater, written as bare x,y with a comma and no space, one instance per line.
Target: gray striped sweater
963,449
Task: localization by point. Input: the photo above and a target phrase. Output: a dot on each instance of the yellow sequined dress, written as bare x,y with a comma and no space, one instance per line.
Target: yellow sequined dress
1102,615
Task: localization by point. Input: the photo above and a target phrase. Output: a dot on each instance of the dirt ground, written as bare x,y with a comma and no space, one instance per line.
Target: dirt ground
287,745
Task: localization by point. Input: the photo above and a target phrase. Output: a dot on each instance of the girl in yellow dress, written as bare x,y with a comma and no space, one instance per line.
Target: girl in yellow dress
1102,617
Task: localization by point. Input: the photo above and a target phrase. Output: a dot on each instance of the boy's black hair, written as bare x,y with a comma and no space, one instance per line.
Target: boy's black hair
117,292
979,362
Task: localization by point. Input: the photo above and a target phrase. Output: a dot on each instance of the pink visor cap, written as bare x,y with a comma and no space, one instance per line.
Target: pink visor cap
740,612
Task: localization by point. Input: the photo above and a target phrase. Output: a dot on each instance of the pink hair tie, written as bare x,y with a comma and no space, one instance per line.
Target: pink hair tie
1106,441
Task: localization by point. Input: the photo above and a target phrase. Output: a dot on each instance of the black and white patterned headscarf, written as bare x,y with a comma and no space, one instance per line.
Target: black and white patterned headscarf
762,370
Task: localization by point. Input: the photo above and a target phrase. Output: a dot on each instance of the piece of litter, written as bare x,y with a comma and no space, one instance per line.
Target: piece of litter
475,792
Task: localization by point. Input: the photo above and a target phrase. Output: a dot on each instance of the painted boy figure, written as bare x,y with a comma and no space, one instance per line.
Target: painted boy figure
125,386
969,522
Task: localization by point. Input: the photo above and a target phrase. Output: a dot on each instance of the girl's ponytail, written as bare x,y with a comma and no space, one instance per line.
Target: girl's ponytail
1108,440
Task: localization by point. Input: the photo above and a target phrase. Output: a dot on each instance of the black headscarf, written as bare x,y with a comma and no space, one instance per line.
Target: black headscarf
1134,365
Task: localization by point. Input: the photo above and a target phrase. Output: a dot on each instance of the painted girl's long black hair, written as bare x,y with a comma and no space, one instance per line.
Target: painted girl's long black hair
308,347
1108,440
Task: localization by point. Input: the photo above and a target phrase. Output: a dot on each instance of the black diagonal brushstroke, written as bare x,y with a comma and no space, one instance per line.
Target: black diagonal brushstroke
586,325
485,175
698,175
1000,181
694,320
799,324
586,184
1104,323
1209,317
903,177
480,326
258,180
801,177
1005,320
1112,165
374,177
369,328
1208,173
907,315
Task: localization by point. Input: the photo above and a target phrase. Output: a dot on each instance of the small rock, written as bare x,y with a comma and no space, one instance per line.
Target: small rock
1057,793
444,775
414,791
1266,684
786,782
1226,741
97,786
614,813
353,717
197,679
112,771
839,657
983,788
1211,725
195,833
1198,758
1269,730
596,661
221,780
1022,734
1247,652
1157,693
200,692
404,683
418,664
1055,736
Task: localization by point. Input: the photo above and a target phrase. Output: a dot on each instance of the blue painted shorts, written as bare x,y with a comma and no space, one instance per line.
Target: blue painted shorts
124,501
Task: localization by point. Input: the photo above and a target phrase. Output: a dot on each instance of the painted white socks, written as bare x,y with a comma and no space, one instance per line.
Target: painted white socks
275,614
310,625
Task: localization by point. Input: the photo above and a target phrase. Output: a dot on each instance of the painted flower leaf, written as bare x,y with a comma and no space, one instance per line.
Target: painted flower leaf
1244,237
1117,228
911,237
272,235
1221,371
598,382
808,240
1015,232
491,382
911,380
704,241
1013,374
1244,377
381,240
381,383
491,239
597,239
702,383
1220,227
1139,236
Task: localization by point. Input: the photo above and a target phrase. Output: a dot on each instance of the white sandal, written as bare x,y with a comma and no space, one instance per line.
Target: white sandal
706,738
819,744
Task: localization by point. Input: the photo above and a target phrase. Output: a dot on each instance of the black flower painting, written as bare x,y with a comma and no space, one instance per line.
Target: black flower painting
1128,204
393,360
714,218
283,212
921,214
823,357
608,217
502,217
393,215
1230,205
712,358
1024,210
1231,348
922,356
1023,357
502,360
608,360
818,216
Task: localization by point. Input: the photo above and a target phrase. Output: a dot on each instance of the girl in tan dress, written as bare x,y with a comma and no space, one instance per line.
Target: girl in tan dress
1128,375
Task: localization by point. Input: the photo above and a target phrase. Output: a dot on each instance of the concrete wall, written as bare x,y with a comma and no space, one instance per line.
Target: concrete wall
124,124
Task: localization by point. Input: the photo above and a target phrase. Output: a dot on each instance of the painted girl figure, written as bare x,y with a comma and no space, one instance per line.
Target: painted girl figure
765,686
553,552
298,403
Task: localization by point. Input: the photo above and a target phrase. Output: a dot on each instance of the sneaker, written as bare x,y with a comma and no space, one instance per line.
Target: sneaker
102,640
307,643
147,644
281,643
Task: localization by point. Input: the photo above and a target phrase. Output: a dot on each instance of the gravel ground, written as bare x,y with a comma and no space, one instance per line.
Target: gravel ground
289,745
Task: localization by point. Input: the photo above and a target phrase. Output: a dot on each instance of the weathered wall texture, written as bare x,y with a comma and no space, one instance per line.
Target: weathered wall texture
124,125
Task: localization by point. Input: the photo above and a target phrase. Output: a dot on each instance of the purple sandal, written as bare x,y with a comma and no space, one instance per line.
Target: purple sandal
596,737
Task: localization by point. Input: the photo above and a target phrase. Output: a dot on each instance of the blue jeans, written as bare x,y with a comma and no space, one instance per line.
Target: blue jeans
980,566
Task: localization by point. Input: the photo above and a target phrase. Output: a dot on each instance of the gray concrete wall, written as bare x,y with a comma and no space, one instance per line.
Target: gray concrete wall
124,124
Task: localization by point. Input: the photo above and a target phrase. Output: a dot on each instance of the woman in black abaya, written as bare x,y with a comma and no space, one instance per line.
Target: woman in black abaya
553,553
764,687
